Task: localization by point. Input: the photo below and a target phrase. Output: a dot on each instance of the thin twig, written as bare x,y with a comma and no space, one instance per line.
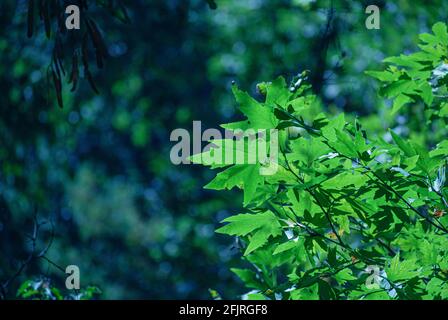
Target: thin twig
32,254
326,213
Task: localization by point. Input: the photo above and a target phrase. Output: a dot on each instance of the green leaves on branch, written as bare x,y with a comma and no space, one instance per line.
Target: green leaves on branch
343,203
421,76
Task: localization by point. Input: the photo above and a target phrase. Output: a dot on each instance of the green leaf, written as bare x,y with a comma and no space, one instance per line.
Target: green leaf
277,92
256,297
398,87
344,276
440,32
399,102
426,93
262,225
344,144
246,177
286,246
24,287
428,38
308,293
403,61
248,277
338,123
443,110
384,76
403,145
259,116
307,150
401,270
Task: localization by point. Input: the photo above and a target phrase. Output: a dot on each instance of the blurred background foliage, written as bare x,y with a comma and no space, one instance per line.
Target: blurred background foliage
99,169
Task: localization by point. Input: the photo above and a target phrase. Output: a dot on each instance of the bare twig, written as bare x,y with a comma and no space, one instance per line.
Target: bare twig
32,255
